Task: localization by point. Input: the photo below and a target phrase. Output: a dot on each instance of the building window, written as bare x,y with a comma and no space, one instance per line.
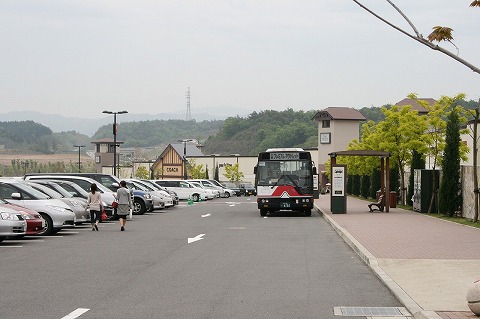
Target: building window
325,123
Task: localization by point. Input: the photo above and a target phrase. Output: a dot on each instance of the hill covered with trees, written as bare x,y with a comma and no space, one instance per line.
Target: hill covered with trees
262,130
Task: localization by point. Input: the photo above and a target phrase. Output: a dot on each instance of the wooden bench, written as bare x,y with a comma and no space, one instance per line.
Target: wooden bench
380,204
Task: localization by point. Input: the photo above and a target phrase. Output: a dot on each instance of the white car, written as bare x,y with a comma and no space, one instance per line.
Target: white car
206,183
163,195
228,192
210,193
183,189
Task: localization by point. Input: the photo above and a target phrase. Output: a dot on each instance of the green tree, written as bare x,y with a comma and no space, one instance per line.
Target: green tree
142,173
450,188
232,173
401,132
195,170
443,34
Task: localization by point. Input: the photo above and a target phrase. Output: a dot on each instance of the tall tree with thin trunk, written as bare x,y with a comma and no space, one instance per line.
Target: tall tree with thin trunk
450,190
442,34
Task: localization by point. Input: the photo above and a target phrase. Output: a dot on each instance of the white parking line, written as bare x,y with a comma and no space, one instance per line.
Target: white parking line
11,246
76,313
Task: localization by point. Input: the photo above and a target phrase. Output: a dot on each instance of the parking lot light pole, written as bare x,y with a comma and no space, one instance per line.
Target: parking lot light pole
114,138
79,162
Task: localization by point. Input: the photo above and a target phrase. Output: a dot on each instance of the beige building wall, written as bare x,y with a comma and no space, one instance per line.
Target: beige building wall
341,133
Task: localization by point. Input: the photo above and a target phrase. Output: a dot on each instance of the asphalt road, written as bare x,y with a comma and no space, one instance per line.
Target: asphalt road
216,259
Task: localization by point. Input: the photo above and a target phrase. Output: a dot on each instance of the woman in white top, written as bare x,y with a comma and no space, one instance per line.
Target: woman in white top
94,202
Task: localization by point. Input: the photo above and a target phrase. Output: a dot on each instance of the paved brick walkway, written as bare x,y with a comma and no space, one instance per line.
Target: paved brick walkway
433,261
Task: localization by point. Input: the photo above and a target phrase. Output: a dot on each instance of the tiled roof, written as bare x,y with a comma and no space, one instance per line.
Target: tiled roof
339,113
415,105
191,149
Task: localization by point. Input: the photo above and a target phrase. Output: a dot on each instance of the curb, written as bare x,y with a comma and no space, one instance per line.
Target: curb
371,261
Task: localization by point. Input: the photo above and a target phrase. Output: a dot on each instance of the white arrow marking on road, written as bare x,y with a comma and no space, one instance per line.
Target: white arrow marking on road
206,215
75,314
198,237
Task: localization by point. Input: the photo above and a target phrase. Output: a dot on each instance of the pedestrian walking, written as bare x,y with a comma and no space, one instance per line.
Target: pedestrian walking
94,202
124,204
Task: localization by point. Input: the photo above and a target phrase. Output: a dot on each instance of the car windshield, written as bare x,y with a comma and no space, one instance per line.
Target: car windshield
145,186
31,191
46,190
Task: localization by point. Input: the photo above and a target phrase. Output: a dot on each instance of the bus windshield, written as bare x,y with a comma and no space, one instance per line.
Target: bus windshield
277,173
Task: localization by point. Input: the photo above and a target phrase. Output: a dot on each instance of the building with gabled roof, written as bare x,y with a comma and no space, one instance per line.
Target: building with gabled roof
337,127
414,104
170,164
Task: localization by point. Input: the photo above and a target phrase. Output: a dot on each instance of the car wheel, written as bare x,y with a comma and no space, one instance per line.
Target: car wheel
196,197
48,225
138,207
227,194
2,238
263,212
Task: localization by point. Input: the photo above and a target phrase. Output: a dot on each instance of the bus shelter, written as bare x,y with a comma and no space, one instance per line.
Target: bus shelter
384,169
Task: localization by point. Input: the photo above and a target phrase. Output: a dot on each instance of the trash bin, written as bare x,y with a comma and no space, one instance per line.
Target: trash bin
393,199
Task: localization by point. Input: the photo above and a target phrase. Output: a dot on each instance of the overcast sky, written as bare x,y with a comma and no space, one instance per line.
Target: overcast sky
79,57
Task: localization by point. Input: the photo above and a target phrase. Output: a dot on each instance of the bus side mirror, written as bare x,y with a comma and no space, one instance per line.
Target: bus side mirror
255,170
314,170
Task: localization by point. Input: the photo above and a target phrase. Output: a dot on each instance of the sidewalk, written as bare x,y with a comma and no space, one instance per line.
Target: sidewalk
428,263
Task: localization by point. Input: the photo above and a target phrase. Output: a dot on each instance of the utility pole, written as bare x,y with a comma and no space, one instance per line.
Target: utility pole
79,162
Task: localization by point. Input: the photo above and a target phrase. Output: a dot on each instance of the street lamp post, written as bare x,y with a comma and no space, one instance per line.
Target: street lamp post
114,138
79,162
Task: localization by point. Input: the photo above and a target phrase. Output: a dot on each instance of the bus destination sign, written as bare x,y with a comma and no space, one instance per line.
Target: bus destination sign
284,156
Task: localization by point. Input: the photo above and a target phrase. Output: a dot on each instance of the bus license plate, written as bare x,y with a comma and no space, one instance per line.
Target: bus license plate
284,205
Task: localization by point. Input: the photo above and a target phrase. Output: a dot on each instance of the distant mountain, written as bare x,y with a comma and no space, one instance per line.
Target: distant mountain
59,123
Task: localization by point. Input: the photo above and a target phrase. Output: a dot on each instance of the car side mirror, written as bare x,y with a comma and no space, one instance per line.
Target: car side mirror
16,196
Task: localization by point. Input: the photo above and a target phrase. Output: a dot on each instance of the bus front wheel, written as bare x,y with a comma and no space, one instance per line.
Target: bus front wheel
263,212
308,212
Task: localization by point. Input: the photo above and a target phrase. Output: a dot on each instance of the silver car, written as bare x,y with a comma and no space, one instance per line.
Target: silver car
56,213
77,205
11,223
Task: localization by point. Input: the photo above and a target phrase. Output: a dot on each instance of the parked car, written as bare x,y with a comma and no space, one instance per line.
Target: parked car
247,189
184,189
211,194
70,187
169,191
228,191
156,191
77,205
35,222
56,213
142,201
218,190
233,187
12,223
108,197
109,181
157,201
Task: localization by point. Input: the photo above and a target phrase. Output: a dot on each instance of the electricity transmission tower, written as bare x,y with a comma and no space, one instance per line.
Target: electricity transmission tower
189,114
